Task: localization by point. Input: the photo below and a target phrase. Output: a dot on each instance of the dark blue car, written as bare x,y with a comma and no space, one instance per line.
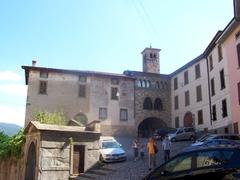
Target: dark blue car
220,163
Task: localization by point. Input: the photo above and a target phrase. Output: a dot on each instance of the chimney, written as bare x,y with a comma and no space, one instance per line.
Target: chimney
34,62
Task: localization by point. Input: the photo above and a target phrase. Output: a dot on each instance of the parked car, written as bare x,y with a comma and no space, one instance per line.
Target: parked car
233,137
160,133
214,142
111,150
221,163
185,133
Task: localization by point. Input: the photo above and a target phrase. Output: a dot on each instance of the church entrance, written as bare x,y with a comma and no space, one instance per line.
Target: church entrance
147,127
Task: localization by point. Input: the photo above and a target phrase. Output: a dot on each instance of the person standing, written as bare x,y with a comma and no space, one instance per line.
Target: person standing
151,145
166,148
135,149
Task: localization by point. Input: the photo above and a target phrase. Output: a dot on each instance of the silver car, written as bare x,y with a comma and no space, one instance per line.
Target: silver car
185,133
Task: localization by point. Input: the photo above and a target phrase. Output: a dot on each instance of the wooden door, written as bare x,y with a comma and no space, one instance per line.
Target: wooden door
78,159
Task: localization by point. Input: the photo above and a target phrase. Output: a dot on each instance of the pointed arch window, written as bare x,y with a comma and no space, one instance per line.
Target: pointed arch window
139,83
158,104
144,83
148,84
147,103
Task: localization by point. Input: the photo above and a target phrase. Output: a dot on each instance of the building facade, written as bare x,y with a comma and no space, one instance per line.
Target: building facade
201,94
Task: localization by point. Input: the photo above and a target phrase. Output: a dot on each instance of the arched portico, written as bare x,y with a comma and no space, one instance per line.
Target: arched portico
149,125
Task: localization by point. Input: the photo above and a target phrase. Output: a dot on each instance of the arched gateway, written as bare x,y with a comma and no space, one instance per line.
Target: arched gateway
31,163
149,125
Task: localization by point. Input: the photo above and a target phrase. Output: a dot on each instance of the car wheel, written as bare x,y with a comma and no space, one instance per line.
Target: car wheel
173,139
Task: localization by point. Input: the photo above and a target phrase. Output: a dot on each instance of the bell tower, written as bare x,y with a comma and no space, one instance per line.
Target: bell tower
151,60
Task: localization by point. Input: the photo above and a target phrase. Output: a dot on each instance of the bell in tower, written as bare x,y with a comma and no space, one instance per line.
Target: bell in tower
151,60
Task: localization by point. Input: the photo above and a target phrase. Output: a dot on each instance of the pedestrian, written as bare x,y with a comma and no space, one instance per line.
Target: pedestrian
135,149
141,150
166,147
151,149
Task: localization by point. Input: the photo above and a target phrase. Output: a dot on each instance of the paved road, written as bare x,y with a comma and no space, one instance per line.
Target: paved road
130,169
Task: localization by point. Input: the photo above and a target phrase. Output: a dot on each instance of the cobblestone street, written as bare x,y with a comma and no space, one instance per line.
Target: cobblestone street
130,169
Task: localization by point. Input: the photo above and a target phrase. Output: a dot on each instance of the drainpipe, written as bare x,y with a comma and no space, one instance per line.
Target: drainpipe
209,91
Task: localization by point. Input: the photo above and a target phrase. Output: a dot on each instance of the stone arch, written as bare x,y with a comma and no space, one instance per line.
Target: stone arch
81,118
147,103
31,162
148,84
188,120
147,127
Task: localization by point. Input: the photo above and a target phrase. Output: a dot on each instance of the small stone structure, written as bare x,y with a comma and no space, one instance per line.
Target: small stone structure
58,152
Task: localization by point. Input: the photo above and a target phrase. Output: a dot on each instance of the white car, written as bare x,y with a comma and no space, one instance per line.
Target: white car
111,150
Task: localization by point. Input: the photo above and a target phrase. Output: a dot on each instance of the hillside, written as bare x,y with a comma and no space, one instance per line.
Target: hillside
9,129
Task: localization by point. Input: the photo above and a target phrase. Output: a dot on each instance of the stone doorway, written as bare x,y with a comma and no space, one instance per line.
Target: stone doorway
188,120
31,163
78,159
147,127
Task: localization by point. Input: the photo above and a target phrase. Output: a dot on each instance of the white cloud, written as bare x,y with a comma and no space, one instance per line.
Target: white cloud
9,76
12,114
13,89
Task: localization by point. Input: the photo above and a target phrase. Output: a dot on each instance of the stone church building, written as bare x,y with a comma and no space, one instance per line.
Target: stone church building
125,104
204,93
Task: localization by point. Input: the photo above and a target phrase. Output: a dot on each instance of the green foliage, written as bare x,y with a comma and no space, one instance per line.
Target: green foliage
50,118
11,145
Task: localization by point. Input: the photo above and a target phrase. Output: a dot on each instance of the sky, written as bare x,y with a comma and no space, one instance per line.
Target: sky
99,35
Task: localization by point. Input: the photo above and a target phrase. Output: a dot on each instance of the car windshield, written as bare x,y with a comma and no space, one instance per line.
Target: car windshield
110,144
204,137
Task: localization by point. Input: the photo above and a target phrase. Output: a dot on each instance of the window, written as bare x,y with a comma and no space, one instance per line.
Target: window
220,52
176,122
144,83
176,102
210,62
214,113
102,113
200,117
148,84
43,87
199,93
187,101
224,108
158,104
147,103
114,93
238,53
157,85
123,114
114,81
197,71
212,87
222,80
139,83
238,93
180,163
186,81
175,83
235,128
43,74
82,78
82,90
